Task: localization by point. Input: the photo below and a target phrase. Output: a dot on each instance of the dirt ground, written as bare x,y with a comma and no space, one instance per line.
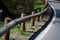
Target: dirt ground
30,30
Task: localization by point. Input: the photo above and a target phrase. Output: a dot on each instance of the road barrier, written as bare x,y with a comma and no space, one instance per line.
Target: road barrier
5,30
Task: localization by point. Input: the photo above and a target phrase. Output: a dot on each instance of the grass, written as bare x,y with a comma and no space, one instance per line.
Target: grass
32,27
22,32
1,25
11,38
1,38
39,5
17,28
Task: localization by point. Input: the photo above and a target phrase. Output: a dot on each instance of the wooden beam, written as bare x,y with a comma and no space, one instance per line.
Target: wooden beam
32,19
7,34
23,23
38,17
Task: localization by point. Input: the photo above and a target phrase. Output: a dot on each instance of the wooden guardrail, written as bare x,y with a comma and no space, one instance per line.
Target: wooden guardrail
8,25
36,36
6,35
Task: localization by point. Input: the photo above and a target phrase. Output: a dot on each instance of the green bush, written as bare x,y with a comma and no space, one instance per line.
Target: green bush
1,38
17,27
11,38
22,32
1,25
39,5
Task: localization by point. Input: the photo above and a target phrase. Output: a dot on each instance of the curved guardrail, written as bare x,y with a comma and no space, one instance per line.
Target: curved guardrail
11,24
33,37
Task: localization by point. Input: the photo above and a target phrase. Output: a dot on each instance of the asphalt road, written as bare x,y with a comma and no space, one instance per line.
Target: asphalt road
52,32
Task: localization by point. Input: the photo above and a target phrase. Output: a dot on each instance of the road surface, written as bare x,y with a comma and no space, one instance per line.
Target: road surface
52,31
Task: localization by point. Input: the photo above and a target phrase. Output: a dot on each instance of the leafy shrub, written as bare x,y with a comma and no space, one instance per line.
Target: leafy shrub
39,5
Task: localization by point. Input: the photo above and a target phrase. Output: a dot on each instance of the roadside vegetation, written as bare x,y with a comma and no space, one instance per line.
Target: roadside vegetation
17,7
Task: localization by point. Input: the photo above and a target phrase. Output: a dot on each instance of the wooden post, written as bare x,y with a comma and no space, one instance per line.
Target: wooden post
33,19
6,35
38,18
42,14
23,23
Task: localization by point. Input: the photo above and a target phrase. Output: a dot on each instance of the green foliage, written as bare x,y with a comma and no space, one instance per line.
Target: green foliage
1,25
18,6
1,38
11,38
21,5
17,27
22,32
32,27
38,5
